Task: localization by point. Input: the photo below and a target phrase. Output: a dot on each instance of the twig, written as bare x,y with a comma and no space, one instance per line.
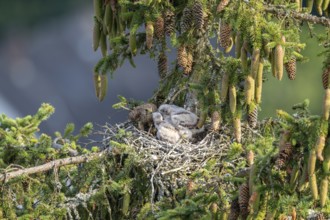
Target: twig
280,10
50,165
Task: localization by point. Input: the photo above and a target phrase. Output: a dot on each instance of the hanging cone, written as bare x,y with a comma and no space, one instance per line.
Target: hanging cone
290,68
186,19
182,56
162,65
284,155
96,34
258,82
234,210
249,89
197,11
232,99
237,129
319,147
255,58
324,191
243,200
253,116
169,22
159,28
215,120
250,158
149,34
187,69
278,59
222,5
225,31
224,87
325,78
326,104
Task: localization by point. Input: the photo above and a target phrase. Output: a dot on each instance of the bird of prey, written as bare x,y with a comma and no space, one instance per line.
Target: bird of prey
165,130
142,114
178,116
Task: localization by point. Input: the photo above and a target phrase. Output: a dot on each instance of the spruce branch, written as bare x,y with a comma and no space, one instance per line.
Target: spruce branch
282,11
51,165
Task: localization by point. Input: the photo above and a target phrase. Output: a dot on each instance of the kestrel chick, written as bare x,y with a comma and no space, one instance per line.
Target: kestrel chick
184,118
165,131
178,116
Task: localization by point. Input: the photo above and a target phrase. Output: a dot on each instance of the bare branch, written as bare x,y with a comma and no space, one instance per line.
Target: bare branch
279,10
50,165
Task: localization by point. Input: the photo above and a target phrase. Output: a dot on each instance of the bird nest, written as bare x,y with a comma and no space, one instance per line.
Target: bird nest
170,166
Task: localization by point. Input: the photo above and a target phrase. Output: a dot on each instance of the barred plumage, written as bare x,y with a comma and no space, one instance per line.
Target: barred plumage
186,19
225,31
234,210
197,11
252,117
162,65
290,68
243,200
222,5
159,28
169,22
325,77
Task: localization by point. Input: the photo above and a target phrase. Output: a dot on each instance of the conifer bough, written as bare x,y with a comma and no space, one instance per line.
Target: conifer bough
263,34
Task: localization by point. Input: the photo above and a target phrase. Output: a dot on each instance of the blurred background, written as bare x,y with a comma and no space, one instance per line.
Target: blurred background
46,55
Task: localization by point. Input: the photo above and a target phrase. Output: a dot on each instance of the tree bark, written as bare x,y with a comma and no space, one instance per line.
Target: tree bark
51,165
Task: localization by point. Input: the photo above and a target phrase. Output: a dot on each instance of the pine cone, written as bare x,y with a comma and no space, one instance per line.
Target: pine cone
290,68
225,31
234,210
169,20
253,117
149,34
198,15
186,19
162,65
182,56
243,200
279,53
237,129
222,5
284,155
325,77
250,157
215,120
159,28
187,69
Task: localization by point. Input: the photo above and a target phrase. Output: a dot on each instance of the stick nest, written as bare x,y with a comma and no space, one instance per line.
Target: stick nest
170,166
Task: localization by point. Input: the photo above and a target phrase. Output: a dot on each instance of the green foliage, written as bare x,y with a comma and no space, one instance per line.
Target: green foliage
272,168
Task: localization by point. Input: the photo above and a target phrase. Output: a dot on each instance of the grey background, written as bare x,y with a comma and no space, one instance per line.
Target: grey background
53,62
